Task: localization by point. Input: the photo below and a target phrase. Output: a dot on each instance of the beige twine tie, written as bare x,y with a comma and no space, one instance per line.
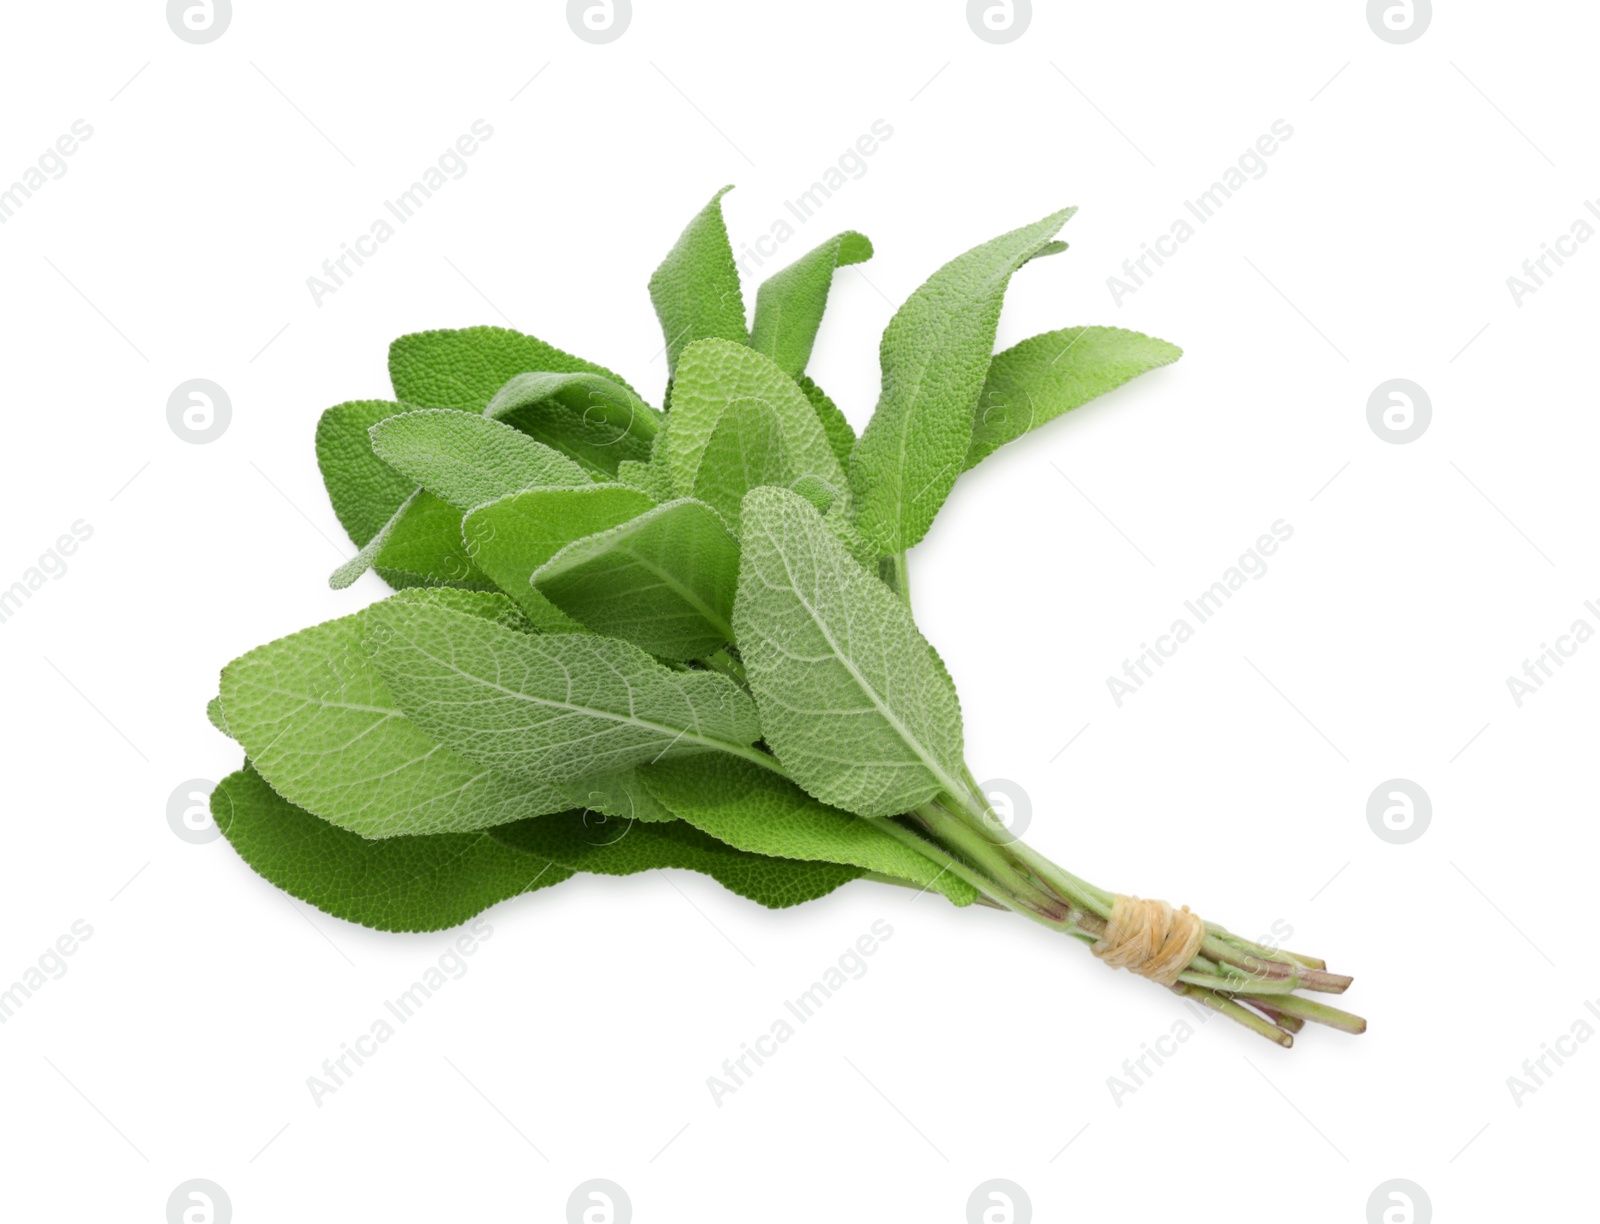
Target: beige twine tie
1150,938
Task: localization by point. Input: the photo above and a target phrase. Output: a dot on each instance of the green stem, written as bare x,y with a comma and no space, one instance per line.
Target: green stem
896,576
724,662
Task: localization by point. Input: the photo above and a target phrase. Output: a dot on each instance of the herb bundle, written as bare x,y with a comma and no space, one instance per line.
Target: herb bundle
625,638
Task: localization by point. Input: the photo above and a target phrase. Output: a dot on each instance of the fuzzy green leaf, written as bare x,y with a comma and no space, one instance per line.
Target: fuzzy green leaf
622,795
553,708
935,355
696,289
584,843
717,377
746,450
755,810
647,477
469,460
1047,375
790,303
420,546
511,538
853,700
321,726
841,436
663,581
365,491
591,419
402,884
464,368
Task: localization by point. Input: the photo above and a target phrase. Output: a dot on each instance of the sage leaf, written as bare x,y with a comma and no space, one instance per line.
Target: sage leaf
746,450
427,883
468,460
550,708
621,795
790,303
510,538
1049,374
320,725
664,580
935,356
464,368
854,702
841,436
648,477
365,491
716,377
582,842
696,289
755,810
420,546
593,420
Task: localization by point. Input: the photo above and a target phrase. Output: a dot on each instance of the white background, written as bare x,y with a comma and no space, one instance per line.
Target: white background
1376,246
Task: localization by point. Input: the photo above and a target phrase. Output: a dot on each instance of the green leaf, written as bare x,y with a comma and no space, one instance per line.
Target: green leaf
663,581
650,478
553,708
583,843
841,437
420,546
591,419
1047,375
755,810
746,451
365,491
509,539
215,716
696,289
853,700
622,795
321,726
464,368
716,377
402,884
790,303
469,460
935,356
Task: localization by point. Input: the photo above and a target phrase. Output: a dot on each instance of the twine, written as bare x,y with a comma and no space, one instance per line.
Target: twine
1150,938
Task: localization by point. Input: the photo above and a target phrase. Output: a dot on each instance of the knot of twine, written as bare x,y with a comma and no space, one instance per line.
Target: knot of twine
1150,938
